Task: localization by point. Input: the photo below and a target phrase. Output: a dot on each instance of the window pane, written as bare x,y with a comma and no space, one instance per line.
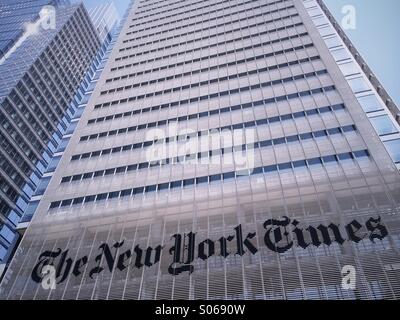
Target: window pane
3,252
349,68
325,31
340,54
383,125
333,42
370,103
394,149
358,85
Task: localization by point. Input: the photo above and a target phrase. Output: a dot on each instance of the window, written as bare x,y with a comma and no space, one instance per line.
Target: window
340,54
7,234
126,193
349,68
328,159
216,177
176,184
285,166
102,196
333,42
44,182
370,103
345,156
202,180
3,252
229,175
78,201
151,188
53,164
163,186
358,85
270,168
393,148
383,125
189,182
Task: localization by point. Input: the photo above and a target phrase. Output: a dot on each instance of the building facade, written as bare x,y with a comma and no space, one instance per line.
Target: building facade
39,80
230,150
106,23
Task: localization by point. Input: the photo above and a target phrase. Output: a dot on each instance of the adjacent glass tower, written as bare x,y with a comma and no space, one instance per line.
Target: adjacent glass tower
40,77
229,151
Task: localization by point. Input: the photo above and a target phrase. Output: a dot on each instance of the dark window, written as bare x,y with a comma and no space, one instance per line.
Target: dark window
176,184
257,170
285,166
151,188
66,203
333,131
137,191
306,136
329,159
65,179
109,172
132,167
188,182
270,168
314,161
88,175
77,177
121,170
361,154
216,177
90,199
143,166
163,186
229,175
102,196
319,134
113,195
266,143
201,180
299,164
54,205
292,139
126,193
345,156
78,201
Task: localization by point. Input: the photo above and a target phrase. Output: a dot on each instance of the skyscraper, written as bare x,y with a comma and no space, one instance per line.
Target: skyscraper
106,20
40,77
230,150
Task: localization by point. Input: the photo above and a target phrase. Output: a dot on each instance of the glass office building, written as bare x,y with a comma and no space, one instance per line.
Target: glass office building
39,79
230,150
106,23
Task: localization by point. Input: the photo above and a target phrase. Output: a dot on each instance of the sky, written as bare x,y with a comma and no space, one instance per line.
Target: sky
376,35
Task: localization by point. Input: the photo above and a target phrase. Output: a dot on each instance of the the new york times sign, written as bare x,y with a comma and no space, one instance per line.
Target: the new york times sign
185,248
